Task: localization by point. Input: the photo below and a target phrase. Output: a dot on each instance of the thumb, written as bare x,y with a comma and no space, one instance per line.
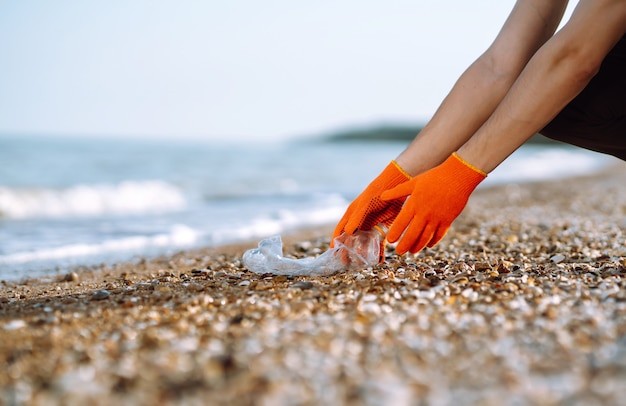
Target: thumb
402,190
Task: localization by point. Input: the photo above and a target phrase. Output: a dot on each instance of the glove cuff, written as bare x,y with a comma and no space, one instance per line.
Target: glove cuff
402,171
463,174
469,165
390,177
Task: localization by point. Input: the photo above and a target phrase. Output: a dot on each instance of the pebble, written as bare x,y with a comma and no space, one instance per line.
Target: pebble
143,286
195,287
425,294
101,295
558,258
70,277
303,285
14,325
304,246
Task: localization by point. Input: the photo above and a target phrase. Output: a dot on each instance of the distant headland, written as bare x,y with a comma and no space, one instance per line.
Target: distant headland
387,133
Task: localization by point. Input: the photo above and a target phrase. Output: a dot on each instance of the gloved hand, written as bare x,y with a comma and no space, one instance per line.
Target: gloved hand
437,197
368,210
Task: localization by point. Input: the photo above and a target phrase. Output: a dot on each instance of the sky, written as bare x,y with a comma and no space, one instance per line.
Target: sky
232,69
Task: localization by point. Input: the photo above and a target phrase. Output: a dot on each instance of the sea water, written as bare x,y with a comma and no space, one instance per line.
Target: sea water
82,201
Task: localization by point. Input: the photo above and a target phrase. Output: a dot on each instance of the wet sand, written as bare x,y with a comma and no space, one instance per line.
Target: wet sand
523,302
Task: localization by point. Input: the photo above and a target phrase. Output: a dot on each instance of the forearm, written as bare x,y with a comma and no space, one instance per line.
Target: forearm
470,102
484,84
537,96
558,72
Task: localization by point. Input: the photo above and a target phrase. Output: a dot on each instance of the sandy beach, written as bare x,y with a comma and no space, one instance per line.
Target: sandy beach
523,302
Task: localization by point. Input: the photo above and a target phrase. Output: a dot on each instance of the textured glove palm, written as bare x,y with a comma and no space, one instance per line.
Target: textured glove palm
368,210
437,197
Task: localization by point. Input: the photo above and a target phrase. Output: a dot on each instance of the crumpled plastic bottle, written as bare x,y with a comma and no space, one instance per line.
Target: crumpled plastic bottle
362,249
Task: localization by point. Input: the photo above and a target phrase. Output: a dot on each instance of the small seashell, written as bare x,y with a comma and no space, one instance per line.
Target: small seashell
143,286
369,298
70,277
482,266
425,294
100,295
195,287
304,246
14,325
462,280
511,287
558,258
370,307
469,293
503,268
303,285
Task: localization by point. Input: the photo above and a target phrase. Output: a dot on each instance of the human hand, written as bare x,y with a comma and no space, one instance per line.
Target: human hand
437,197
368,210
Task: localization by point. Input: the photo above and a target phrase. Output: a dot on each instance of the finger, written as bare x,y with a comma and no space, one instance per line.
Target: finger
389,216
438,236
381,252
354,220
402,190
338,231
343,223
409,237
425,237
400,224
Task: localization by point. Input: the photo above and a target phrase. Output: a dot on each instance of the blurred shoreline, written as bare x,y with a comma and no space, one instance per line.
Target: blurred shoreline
612,176
81,203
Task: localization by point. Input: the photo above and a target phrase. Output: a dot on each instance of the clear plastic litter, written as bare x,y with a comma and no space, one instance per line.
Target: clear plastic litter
357,251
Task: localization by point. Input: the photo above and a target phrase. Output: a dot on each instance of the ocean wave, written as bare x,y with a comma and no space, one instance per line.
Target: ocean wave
179,236
258,188
324,213
129,197
535,163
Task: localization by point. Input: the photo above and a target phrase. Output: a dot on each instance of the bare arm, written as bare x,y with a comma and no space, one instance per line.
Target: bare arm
554,76
481,88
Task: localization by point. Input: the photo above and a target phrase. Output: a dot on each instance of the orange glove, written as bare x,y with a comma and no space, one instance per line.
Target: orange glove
368,210
437,197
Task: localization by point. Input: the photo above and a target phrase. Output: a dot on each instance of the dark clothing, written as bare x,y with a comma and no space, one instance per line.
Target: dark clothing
596,118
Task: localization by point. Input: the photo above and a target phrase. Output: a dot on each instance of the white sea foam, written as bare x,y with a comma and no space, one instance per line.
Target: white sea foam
327,212
129,197
535,163
179,236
